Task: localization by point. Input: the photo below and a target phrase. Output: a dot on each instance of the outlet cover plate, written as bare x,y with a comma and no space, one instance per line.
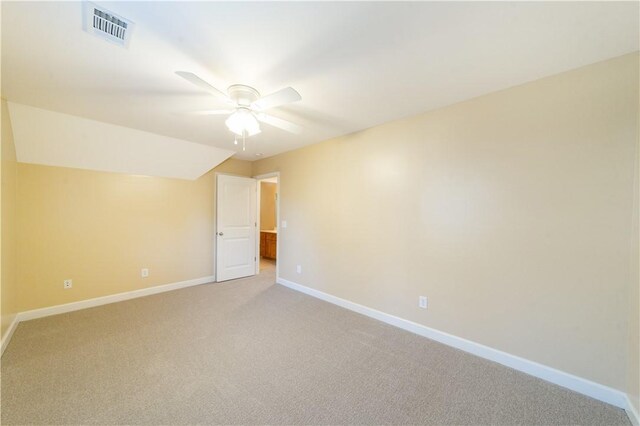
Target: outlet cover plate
422,302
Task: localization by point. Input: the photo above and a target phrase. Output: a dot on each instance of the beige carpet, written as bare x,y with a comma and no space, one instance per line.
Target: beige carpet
252,352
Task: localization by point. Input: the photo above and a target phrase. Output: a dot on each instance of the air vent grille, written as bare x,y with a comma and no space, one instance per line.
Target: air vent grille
109,24
106,24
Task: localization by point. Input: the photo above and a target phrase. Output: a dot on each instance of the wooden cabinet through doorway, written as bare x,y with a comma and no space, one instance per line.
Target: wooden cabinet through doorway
268,244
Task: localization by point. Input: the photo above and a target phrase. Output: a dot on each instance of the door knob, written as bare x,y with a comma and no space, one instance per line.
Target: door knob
220,233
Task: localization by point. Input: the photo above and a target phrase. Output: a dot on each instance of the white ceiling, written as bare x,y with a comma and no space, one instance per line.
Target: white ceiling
356,65
82,143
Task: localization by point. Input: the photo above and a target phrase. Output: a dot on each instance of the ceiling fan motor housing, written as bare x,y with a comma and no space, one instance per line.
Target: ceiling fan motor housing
243,95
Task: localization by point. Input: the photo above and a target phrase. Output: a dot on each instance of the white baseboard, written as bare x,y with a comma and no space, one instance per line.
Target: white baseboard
633,415
98,301
561,378
9,334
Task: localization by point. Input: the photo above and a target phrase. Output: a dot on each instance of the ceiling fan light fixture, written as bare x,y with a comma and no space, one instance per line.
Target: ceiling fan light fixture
243,122
248,105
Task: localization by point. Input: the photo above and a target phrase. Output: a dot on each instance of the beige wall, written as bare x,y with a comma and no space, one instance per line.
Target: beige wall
100,229
268,205
9,288
511,212
633,363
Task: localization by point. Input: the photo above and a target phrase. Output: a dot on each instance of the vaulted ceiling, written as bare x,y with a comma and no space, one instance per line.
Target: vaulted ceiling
356,65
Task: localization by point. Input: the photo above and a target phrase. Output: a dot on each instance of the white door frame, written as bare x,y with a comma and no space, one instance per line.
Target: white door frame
215,222
278,227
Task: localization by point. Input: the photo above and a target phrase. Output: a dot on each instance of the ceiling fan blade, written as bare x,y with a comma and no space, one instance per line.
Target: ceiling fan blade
194,79
279,123
281,97
212,112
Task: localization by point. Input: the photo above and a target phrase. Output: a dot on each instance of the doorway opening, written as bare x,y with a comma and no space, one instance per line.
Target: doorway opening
268,214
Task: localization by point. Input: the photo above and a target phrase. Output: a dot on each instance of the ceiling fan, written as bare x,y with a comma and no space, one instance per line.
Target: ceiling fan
247,106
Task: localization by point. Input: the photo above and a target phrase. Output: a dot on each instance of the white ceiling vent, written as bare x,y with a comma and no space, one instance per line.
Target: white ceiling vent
108,25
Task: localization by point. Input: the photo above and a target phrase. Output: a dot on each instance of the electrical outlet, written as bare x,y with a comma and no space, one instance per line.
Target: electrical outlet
144,273
299,269
422,302
68,284
284,223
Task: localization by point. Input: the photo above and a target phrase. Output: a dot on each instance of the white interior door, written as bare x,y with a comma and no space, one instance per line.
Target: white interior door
235,227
